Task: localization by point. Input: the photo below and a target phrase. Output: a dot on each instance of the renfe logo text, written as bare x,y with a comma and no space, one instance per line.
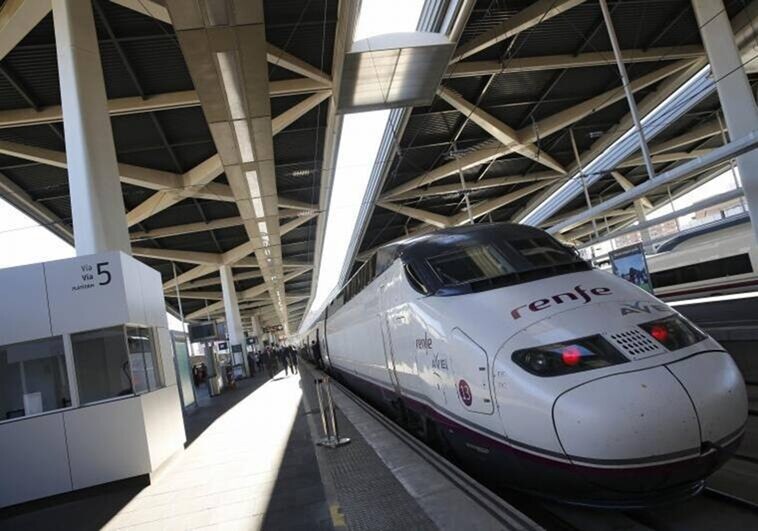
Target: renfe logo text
569,296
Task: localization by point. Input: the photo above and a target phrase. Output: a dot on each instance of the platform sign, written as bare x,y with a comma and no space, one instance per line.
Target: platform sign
630,264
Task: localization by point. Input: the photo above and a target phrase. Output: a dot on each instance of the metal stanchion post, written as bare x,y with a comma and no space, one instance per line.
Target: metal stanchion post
337,440
326,405
318,382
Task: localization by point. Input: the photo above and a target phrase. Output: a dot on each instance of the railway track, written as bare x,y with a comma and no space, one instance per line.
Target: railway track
712,509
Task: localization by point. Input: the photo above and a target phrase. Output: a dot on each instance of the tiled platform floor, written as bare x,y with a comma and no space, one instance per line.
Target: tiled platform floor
250,464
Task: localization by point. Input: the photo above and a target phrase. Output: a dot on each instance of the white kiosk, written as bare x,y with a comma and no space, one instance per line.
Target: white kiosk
88,390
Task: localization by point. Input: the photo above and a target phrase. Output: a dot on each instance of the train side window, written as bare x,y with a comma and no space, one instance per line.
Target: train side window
723,267
414,281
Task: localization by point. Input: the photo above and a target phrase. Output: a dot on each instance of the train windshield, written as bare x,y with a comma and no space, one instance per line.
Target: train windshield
479,265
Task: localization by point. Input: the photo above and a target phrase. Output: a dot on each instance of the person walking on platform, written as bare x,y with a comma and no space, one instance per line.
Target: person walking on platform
268,361
281,353
292,352
251,363
316,349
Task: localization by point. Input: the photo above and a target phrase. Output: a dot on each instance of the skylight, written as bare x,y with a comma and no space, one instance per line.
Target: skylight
358,146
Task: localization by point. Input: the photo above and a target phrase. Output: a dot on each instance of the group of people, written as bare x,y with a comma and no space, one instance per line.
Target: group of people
275,358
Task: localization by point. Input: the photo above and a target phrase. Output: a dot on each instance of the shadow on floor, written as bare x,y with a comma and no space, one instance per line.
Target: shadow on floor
298,500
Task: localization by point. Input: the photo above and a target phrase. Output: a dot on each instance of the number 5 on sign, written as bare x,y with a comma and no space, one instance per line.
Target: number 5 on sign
102,271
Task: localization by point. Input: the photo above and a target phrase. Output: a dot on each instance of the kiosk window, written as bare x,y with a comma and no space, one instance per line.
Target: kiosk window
102,364
33,378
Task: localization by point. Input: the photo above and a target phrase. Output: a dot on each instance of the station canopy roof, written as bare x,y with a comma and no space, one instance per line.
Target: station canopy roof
523,76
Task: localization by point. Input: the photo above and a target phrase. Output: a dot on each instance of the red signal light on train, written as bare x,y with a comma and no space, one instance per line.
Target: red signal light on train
571,355
660,332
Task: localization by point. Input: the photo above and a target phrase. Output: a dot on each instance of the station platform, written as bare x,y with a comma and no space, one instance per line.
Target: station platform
251,462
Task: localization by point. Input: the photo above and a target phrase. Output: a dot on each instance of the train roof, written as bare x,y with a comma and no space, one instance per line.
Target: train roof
695,235
433,242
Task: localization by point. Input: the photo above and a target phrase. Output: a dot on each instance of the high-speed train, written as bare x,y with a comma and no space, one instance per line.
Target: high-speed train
534,371
718,258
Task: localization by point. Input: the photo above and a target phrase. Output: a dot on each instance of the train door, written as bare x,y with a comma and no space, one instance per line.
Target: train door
471,372
389,355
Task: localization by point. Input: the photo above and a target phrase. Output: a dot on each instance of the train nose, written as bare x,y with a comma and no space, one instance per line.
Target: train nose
618,430
655,428
717,389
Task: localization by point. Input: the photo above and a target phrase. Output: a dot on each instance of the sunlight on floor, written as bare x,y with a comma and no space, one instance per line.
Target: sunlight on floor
228,473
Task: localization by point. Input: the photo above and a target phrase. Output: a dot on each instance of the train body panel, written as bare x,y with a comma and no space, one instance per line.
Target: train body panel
575,380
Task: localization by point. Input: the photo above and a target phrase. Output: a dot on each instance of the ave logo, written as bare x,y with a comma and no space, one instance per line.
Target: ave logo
642,307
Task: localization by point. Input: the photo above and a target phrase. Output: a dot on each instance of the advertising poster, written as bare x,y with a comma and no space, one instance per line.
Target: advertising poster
629,263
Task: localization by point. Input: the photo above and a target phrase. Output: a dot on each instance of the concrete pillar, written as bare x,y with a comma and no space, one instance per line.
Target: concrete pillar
644,233
97,205
734,91
256,328
233,318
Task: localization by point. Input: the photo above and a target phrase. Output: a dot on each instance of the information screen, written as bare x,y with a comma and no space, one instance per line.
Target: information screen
202,331
630,264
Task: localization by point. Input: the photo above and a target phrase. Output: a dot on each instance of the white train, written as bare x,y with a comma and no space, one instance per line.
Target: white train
717,259
502,347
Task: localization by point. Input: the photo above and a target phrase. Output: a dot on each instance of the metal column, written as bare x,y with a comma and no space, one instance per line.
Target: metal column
736,98
233,318
97,205
635,117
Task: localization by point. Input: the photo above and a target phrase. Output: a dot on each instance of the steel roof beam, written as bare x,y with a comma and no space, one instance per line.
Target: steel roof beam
187,228
652,100
490,205
493,149
499,130
203,295
436,220
150,8
116,107
575,113
191,257
201,226
150,103
531,16
489,150
701,132
135,175
684,171
191,181
255,291
671,156
279,57
484,184
17,19
627,185
558,62
298,110
216,281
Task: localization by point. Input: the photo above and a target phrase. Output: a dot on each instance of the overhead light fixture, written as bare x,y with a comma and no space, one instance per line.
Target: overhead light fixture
263,229
242,132
230,78
255,192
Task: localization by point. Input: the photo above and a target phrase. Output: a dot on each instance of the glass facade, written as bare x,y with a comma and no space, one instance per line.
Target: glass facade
33,378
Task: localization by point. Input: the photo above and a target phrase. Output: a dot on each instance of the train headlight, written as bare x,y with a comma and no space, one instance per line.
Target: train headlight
572,356
673,332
